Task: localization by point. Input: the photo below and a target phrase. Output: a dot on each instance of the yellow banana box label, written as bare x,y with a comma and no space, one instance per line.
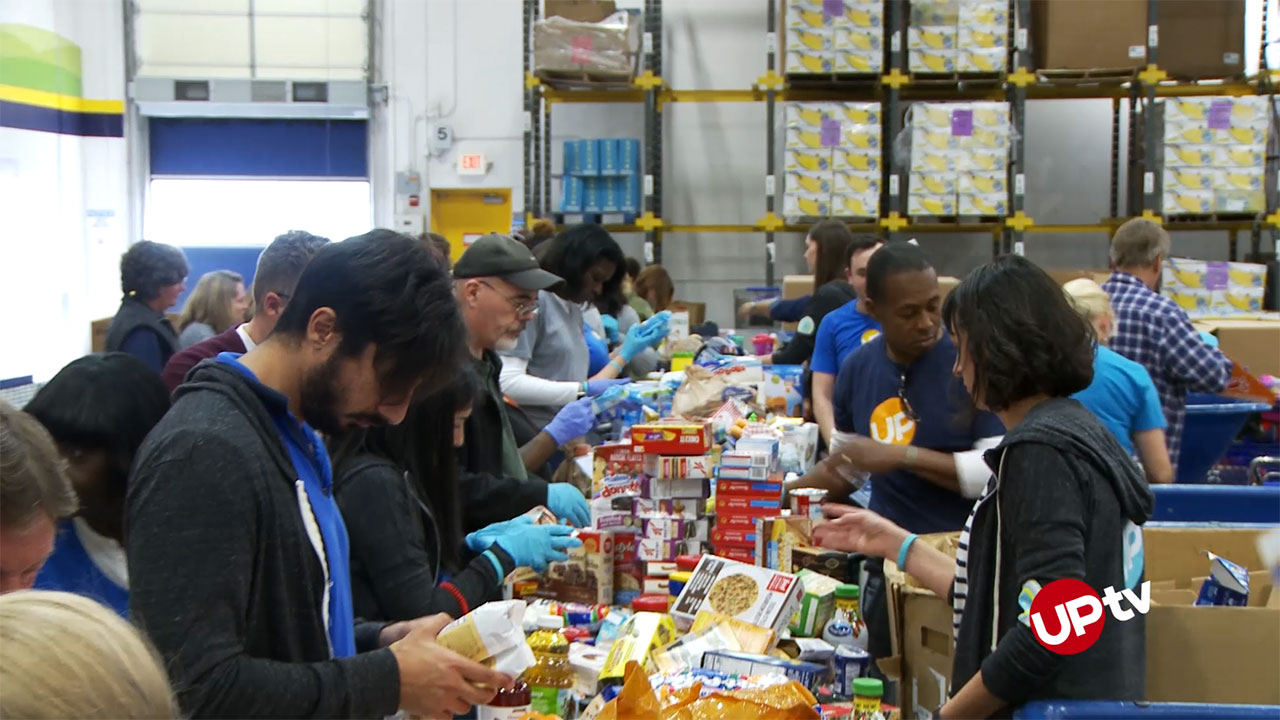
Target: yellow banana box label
811,115
931,61
982,37
1188,202
932,183
818,160
983,15
981,159
974,60
863,205
928,159
851,37
857,159
810,61
931,38
981,182
810,40
927,204
814,182
982,203
858,61
850,182
1187,155
807,205
860,113
1218,113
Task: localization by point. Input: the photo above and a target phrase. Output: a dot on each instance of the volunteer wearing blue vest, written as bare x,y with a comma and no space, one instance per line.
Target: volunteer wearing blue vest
842,332
904,418
238,556
98,409
1064,504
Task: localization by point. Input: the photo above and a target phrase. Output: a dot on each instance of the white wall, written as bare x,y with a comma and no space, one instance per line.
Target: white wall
63,205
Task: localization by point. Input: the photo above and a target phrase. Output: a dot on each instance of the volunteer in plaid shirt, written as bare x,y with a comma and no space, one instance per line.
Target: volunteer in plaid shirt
1153,331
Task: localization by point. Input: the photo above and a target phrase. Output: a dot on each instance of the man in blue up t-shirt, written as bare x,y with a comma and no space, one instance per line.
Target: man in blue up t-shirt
903,417
841,332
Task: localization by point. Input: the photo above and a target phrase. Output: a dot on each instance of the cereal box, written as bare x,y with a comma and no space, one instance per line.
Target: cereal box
639,636
678,466
762,597
777,537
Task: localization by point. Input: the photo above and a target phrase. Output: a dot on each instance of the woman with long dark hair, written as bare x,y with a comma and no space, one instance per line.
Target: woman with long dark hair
1065,503
549,366
397,487
826,251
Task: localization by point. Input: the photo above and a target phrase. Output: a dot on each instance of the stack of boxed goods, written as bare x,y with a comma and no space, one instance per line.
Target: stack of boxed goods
748,487
651,491
834,36
601,175
963,36
586,43
1214,288
1214,151
832,160
959,159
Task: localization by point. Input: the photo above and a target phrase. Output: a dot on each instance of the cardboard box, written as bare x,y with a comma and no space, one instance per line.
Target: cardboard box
683,508
795,286
777,539
1085,34
613,459
1202,38
581,10
733,536
751,638
747,505
1255,344
697,311
678,466
607,48
920,625
817,604
832,563
756,475
675,438
628,572
747,556
762,597
1065,276
734,663
782,391
725,486
659,489
638,637
587,576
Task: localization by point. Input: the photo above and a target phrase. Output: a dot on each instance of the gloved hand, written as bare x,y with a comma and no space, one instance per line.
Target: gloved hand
596,387
573,420
646,335
568,503
535,546
480,540
610,328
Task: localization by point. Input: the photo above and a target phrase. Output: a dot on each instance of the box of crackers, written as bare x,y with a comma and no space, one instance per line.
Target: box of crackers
683,438
762,597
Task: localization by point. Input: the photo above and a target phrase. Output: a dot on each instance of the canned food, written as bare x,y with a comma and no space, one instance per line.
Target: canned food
851,663
807,502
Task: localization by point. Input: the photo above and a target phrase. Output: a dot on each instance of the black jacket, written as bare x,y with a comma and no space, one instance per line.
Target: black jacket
395,555
831,296
134,314
223,578
1067,493
488,494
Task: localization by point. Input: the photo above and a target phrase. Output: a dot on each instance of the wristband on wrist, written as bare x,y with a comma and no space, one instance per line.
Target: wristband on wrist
913,454
614,362
497,565
902,551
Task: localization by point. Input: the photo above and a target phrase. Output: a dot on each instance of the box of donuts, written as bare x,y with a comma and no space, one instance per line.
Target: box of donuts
765,598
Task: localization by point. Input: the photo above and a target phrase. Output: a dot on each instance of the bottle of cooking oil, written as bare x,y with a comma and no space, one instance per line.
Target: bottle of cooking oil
551,678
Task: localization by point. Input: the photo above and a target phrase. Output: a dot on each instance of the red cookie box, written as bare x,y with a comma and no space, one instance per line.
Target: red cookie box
672,438
617,521
742,555
678,466
749,488
628,571
619,486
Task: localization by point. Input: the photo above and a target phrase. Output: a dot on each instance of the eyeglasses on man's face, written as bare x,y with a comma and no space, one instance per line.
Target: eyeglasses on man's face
522,306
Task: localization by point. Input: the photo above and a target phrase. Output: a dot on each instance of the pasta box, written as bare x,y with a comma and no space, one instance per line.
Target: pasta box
678,466
747,505
672,438
739,554
733,535
748,487
766,598
613,459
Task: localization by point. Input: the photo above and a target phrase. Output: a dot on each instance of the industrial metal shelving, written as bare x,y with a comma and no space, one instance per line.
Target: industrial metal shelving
1141,89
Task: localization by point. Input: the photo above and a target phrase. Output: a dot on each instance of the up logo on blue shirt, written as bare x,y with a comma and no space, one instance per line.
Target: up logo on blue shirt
1133,555
869,335
890,424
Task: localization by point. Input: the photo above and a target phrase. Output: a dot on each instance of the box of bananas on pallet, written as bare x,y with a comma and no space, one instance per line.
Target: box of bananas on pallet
1214,151
1214,288
831,160
958,36
825,37
959,159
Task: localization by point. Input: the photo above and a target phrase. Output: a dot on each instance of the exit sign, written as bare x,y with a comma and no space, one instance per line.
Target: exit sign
471,164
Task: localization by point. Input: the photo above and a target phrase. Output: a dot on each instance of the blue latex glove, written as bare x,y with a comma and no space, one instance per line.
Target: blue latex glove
573,420
568,503
535,546
480,540
1209,339
610,328
596,387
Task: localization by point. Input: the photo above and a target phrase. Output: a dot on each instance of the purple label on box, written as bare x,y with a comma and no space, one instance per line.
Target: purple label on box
833,8
830,134
1220,115
962,122
1216,276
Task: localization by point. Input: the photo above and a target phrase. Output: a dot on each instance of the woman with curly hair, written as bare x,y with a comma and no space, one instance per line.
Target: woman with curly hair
218,304
152,276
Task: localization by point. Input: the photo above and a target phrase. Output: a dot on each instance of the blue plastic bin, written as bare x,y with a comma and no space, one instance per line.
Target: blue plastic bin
1099,709
1212,424
1216,504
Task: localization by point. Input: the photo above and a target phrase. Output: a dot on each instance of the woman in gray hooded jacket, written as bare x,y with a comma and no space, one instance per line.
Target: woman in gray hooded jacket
1065,502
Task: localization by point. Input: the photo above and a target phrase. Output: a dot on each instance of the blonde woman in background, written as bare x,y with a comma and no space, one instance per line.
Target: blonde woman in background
218,303
65,656
1121,395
